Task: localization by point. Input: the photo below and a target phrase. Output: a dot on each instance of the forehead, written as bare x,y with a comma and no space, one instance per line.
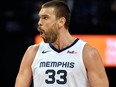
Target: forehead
47,11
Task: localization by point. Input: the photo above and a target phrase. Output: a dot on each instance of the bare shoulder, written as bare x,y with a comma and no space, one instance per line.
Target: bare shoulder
90,51
91,56
33,48
30,54
95,67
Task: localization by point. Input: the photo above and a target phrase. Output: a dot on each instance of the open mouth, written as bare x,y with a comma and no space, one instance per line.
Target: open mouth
41,32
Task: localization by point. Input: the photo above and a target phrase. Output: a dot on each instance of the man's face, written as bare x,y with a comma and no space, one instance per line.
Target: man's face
47,25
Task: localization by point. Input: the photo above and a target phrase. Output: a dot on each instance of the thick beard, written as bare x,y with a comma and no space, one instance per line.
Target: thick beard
51,36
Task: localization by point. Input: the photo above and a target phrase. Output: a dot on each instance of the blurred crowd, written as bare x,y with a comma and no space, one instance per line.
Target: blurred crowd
88,16
18,27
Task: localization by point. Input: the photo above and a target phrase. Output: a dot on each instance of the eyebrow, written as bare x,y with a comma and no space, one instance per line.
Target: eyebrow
42,15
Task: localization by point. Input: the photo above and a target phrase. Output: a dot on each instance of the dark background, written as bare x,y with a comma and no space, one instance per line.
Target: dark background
18,27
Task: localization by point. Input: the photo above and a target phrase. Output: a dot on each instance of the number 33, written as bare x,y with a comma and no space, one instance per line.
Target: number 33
51,76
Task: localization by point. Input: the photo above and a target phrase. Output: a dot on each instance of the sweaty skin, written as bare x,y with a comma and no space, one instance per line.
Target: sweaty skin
53,31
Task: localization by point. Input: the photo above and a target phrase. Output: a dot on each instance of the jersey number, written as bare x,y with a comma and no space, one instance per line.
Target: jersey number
52,73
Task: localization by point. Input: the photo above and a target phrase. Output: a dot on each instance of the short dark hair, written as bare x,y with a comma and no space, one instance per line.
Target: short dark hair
61,10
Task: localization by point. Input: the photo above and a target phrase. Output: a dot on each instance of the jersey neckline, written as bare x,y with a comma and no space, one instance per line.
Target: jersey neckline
63,48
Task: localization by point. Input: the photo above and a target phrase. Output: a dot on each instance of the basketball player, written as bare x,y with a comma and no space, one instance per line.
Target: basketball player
60,60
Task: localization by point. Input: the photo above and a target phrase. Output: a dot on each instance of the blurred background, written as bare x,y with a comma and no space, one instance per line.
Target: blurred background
18,28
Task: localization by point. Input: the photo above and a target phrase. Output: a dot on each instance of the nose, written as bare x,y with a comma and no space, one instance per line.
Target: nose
39,22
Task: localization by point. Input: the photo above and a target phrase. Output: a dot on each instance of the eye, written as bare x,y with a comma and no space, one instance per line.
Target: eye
45,17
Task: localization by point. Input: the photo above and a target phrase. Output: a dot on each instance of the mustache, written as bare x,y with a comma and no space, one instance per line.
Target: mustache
40,29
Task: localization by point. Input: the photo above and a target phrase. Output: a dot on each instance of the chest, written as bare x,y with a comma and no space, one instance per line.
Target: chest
68,61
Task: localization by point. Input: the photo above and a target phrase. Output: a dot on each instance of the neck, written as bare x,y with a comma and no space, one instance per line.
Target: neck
64,40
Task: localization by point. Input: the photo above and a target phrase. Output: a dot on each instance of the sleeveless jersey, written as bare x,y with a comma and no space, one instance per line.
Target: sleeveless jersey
60,68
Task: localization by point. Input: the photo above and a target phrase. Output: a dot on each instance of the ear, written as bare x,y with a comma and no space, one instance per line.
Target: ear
61,22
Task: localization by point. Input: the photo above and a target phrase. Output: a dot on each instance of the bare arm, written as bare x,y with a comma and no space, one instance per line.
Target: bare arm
95,68
24,76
